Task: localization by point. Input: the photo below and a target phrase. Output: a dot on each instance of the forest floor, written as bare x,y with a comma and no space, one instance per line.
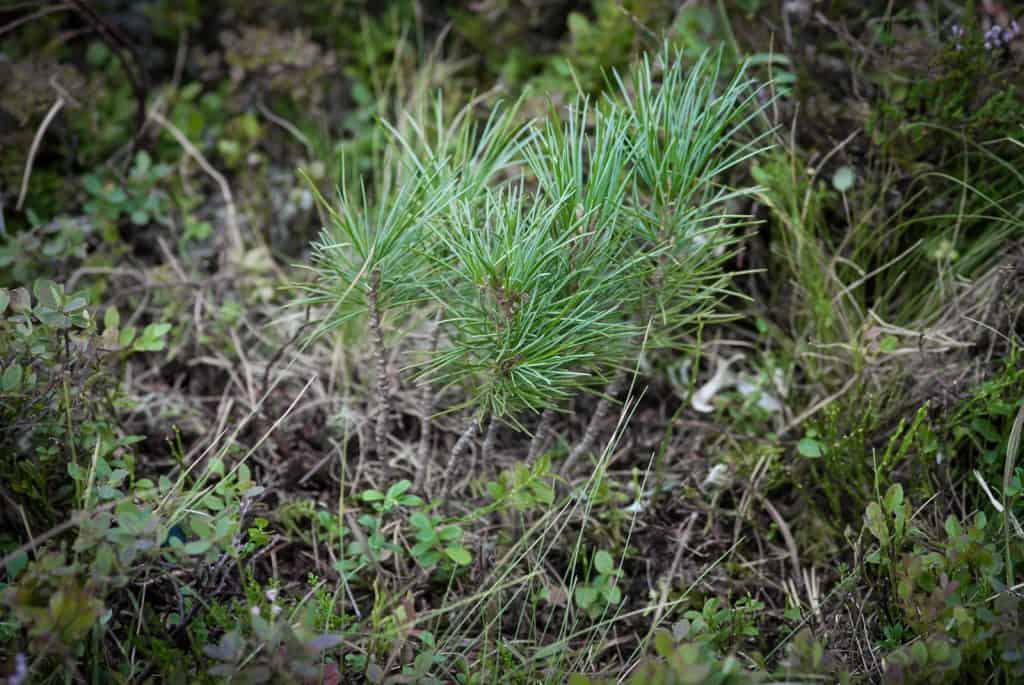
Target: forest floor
820,485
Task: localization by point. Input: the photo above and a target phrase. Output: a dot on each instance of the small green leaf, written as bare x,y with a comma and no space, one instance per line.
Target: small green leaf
894,498
75,305
420,520
876,522
429,559
5,299
450,533
372,496
398,489
664,645
809,447
111,319
889,344
11,378
585,596
460,555
127,336
48,293
201,527
423,663
152,339
15,565
197,547
603,562
843,179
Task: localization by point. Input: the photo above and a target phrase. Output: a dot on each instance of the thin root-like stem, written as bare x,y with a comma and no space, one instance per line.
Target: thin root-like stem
383,408
427,400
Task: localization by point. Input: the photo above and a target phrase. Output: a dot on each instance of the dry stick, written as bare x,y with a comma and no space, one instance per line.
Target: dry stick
596,421
383,408
461,446
488,446
281,350
787,536
54,109
234,232
484,455
7,28
682,541
540,436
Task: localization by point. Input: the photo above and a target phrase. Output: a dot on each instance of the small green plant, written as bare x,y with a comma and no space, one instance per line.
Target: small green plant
395,496
888,520
435,541
725,627
273,650
139,199
600,591
56,402
673,661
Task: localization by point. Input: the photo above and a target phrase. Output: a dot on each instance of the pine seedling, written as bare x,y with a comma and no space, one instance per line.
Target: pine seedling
555,252
685,137
373,258
681,136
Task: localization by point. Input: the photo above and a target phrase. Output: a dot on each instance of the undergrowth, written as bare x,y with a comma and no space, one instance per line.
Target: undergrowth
511,342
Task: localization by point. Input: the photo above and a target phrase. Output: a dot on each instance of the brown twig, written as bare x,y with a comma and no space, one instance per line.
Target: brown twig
7,28
54,109
597,421
461,446
787,536
540,436
281,350
489,437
